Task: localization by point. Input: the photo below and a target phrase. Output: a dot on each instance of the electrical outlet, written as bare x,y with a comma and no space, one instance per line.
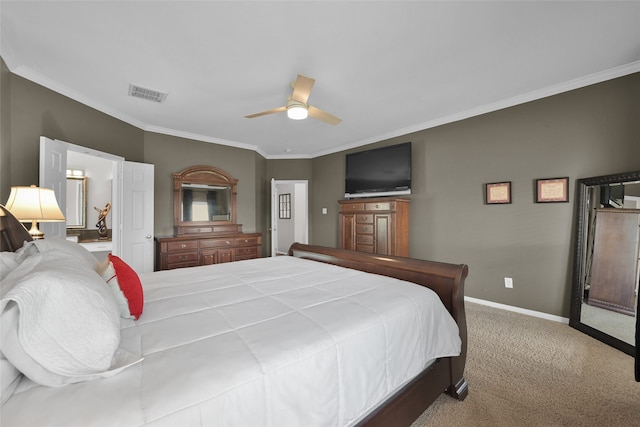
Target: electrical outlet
324,211
508,282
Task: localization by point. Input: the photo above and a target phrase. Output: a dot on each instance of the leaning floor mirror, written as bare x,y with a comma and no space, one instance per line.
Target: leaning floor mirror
606,271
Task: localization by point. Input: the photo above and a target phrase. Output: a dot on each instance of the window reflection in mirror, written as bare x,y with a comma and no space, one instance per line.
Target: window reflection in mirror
202,203
76,209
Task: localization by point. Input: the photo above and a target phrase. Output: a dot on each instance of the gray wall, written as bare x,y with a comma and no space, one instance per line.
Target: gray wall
171,154
586,132
37,111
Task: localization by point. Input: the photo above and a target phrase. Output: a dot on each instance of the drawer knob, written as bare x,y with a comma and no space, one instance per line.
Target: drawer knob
184,246
228,242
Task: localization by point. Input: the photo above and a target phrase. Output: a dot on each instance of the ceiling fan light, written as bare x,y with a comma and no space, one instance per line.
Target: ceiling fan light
297,112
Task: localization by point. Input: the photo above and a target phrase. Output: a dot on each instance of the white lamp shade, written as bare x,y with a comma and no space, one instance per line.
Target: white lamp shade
34,204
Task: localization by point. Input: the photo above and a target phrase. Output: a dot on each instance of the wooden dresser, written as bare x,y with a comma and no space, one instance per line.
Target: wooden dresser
379,225
205,222
615,264
191,251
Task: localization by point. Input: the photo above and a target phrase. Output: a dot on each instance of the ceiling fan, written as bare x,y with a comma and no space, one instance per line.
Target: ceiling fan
297,107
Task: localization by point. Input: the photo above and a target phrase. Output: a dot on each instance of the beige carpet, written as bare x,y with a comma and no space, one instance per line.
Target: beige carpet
526,371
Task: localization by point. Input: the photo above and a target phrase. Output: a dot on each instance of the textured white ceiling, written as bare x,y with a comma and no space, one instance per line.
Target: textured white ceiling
386,68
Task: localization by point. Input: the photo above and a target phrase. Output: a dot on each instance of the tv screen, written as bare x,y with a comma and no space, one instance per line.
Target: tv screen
382,171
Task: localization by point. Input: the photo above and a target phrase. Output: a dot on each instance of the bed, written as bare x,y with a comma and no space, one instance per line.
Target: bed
320,337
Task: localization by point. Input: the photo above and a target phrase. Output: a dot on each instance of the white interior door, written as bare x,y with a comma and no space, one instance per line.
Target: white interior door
53,174
137,215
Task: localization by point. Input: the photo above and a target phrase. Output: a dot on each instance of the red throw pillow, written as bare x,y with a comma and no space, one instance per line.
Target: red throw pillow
130,285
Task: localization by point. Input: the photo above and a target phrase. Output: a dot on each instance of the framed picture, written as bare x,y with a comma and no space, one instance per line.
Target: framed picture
285,206
552,190
498,193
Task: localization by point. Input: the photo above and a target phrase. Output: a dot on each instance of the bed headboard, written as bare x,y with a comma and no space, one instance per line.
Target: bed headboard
12,233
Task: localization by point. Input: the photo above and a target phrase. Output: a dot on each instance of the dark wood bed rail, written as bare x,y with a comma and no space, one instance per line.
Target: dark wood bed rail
447,280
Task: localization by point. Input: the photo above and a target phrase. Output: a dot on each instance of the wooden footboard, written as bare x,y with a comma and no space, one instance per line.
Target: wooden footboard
447,280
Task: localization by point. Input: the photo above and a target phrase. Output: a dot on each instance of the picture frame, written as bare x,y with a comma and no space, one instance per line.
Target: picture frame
284,206
552,190
497,193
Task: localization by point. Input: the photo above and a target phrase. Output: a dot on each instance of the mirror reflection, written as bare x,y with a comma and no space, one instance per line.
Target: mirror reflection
76,209
201,202
609,255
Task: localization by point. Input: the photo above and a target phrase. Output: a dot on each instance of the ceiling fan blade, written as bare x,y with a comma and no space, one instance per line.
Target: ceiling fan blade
319,114
302,88
264,113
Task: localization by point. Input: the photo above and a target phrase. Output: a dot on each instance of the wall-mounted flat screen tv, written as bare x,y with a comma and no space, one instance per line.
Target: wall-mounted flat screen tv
382,171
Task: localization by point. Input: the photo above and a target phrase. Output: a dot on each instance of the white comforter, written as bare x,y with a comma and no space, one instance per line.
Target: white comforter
267,342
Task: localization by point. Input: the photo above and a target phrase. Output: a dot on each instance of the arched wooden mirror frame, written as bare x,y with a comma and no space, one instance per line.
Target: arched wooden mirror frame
580,247
207,176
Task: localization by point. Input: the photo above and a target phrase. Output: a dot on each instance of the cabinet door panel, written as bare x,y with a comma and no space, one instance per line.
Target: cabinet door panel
225,255
383,236
209,258
348,232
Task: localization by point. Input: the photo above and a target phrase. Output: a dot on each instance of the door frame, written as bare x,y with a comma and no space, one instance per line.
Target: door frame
300,210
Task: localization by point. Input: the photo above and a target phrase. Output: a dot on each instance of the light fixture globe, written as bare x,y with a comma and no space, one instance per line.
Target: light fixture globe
297,110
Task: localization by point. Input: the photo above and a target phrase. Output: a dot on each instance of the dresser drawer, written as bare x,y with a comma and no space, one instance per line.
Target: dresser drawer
181,265
246,241
352,207
366,239
199,230
380,206
182,246
364,228
364,248
185,257
246,253
364,218
216,243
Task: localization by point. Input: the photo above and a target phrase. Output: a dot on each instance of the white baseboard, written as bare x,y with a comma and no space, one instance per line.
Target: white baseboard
519,310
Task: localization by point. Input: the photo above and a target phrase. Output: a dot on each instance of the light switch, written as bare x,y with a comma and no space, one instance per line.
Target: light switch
324,211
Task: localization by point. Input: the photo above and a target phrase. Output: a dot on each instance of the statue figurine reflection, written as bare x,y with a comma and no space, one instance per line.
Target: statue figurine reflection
103,231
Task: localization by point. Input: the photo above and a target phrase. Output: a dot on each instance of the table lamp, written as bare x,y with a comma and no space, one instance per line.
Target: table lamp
34,204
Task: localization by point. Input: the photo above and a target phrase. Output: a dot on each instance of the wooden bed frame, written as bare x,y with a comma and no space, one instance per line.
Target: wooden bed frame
447,280
446,374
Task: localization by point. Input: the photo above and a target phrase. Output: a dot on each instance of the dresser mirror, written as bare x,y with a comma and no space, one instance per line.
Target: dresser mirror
204,198
76,209
606,271
203,203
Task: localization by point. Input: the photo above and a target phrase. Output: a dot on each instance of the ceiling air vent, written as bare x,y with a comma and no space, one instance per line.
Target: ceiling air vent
148,94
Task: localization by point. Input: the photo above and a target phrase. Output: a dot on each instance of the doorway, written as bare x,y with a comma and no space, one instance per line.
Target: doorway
130,185
289,214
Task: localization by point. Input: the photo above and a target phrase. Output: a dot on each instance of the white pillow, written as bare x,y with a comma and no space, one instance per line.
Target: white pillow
60,323
27,249
8,263
57,244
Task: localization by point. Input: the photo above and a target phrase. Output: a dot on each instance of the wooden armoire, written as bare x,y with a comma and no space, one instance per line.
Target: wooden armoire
614,267
377,225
